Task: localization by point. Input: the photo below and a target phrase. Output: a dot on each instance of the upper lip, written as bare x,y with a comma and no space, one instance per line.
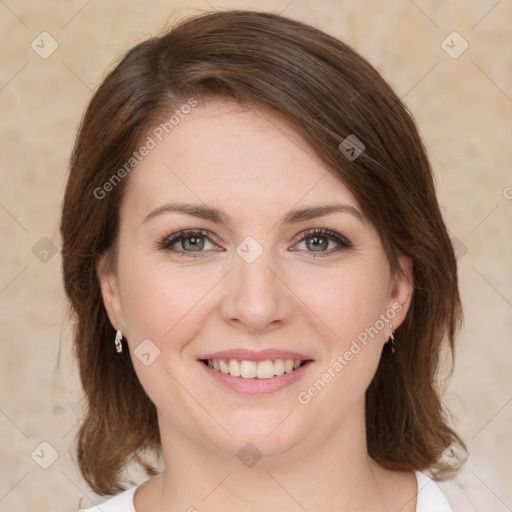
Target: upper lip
255,355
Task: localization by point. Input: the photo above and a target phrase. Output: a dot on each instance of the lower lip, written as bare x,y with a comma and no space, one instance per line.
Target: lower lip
256,386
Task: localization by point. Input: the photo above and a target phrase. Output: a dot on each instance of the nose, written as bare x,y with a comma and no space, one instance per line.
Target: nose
257,298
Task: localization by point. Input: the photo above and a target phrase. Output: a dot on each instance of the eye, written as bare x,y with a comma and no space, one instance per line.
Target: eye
320,242
192,242
188,241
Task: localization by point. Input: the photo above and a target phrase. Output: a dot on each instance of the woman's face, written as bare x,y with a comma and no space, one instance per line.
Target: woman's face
279,264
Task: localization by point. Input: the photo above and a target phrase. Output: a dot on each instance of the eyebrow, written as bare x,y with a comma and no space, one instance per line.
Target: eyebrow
219,217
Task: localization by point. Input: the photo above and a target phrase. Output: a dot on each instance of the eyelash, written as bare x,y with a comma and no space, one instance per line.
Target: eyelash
169,241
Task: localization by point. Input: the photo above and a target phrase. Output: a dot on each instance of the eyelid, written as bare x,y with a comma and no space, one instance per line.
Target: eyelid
343,242
169,240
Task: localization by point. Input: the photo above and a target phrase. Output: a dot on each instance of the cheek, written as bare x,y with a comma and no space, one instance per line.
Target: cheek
350,300
352,309
160,300
164,305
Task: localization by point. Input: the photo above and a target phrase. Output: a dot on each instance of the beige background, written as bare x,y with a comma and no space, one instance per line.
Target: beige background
463,107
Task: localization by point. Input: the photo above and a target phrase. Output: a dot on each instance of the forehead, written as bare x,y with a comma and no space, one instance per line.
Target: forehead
225,154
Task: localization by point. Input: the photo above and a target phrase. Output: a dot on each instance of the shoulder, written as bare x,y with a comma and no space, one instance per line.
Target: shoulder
463,493
120,503
454,495
466,493
430,498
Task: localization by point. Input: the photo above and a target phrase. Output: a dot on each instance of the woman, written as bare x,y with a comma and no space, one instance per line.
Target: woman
261,278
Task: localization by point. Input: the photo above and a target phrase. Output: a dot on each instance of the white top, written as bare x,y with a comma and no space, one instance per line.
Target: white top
430,499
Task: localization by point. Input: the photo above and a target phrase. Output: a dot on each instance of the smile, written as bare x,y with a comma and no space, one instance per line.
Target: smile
247,369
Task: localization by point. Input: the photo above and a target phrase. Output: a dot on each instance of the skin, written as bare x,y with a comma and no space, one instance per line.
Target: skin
252,166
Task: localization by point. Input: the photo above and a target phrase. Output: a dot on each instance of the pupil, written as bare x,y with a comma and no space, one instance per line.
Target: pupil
322,244
193,242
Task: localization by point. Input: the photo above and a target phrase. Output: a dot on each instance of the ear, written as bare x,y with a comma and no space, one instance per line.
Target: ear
110,292
401,290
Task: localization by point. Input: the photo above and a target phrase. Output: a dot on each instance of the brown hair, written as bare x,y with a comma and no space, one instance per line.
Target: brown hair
326,91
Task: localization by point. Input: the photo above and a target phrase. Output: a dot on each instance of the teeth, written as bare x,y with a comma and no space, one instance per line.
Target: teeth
224,367
278,367
251,369
248,369
288,365
265,369
234,368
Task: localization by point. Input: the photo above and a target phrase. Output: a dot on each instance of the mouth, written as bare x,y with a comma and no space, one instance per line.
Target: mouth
248,369
255,372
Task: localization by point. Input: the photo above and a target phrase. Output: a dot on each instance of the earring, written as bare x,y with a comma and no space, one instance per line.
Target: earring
392,339
119,341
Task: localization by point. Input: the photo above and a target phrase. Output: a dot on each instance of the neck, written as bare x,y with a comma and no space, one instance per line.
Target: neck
336,474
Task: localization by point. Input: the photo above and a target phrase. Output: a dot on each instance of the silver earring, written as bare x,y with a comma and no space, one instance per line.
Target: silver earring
392,339
119,341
